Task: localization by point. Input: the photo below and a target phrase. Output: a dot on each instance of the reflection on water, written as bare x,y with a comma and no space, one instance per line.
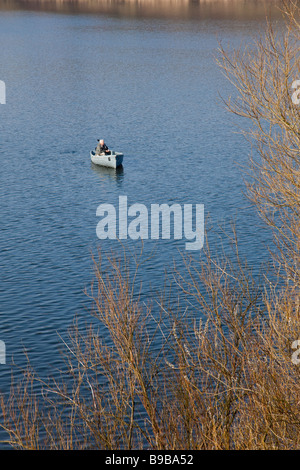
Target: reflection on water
184,9
104,172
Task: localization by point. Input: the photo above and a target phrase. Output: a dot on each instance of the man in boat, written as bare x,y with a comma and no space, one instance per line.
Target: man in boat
102,148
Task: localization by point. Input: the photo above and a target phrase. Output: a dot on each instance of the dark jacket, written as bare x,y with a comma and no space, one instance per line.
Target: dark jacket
103,148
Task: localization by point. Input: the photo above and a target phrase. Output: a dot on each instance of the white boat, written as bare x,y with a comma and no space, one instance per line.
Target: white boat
113,160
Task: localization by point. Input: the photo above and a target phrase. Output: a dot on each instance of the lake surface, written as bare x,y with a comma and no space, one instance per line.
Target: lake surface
150,87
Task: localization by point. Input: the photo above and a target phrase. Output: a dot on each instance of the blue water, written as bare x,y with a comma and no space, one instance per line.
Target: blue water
151,88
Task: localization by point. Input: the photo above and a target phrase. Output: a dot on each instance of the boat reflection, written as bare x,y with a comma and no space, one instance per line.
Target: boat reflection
104,172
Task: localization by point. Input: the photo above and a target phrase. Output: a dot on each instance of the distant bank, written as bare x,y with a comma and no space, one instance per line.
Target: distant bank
252,9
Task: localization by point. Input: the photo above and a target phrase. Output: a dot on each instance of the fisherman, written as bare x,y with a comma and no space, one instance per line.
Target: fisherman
102,148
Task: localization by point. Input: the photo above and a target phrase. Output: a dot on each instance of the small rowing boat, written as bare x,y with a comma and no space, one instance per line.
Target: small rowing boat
112,160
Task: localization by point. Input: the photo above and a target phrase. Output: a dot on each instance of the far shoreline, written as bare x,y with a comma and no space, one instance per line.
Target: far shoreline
184,9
